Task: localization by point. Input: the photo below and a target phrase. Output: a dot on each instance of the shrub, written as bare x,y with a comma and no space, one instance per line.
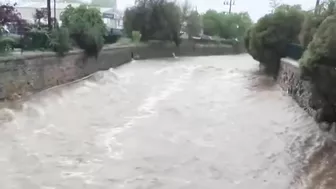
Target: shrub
60,41
6,44
309,27
268,39
321,50
313,20
37,39
92,42
124,40
86,28
136,36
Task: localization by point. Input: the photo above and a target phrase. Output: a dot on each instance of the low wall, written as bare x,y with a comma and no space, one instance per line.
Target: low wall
289,79
306,96
35,72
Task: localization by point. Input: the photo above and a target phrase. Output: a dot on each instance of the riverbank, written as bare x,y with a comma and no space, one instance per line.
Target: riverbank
289,78
32,72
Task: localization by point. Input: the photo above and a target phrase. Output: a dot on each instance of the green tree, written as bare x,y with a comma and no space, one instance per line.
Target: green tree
193,24
86,27
313,20
155,19
212,22
267,40
321,49
318,66
40,14
190,19
274,4
225,25
186,9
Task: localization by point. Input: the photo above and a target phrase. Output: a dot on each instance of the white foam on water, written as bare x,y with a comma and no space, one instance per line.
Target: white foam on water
73,174
145,110
34,109
126,78
7,115
90,84
44,130
113,73
162,70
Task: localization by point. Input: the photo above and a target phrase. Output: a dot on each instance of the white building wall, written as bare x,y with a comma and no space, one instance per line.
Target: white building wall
28,10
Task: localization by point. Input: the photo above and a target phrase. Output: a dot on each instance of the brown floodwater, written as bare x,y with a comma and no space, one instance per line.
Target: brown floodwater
179,123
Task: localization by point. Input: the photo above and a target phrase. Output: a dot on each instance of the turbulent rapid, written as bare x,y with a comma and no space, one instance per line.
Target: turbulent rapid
187,123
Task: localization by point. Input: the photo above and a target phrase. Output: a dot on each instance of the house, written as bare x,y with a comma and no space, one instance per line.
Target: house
112,18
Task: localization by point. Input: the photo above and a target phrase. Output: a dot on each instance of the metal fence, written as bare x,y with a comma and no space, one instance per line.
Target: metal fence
294,51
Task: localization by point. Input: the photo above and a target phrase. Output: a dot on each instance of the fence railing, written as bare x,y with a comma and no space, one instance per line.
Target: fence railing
294,51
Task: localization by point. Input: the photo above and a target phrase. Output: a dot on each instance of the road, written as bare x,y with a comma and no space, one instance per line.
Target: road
179,123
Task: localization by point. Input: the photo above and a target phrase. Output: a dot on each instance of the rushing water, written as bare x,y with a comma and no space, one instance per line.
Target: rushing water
183,123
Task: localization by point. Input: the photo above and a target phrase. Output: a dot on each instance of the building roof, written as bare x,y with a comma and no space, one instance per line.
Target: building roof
62,5
39,5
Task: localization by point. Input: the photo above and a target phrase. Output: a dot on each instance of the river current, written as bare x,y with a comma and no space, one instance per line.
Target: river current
178,123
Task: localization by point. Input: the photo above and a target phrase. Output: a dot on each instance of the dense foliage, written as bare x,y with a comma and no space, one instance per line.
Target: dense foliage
267,40
321,49
9,16
313,20
60,40
319,36
86,27
191,20
226,25
83,24
193,24
319,60
136,36
155,19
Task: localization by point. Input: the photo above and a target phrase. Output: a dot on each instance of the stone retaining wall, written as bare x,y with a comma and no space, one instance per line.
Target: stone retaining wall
289,79
38,71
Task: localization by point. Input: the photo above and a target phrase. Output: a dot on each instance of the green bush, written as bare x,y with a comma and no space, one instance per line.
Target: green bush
60,41
92,42
309,27
86,28
136,36
6,44
268,39
321,50
313,20
37,39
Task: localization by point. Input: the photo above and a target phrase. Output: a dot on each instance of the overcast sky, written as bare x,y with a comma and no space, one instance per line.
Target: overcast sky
256,8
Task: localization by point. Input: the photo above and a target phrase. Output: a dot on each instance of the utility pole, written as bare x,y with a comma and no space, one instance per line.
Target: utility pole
49,14
55,20
230,3
317,6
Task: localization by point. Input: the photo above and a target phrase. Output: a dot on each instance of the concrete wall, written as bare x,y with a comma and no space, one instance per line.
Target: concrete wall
35,72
